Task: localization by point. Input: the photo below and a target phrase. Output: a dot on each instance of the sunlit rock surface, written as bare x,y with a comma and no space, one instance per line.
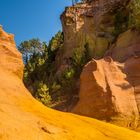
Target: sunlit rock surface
24,118
107,94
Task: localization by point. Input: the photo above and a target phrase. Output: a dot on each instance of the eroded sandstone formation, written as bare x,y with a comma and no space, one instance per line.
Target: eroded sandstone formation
107,94
109,87
24,118
114,93
92,23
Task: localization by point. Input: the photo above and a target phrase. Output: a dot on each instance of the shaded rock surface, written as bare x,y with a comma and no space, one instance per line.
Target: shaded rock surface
22,117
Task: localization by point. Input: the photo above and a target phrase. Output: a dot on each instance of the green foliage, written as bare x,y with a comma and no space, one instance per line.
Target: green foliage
122,20
80,58
36,46
30,48
55,87
135,13
42,94
56,41
25,49
118,22
55,90
127,17
68,81
87,53
39,67
45,51
68,73
71,74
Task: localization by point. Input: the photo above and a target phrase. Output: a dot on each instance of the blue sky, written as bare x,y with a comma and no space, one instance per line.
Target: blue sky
28,19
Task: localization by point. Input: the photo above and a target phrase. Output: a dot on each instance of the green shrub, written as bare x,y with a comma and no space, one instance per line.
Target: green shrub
135,14
122,20
39,59
68,73
78,57
81,56
42,94
55,87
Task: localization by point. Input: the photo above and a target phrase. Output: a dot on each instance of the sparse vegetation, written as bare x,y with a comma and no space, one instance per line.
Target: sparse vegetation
121,20
42,94
40,69
39,66
135,14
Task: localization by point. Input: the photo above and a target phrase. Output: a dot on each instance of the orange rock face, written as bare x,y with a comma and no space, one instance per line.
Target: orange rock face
12,62
24,118
110,88
106,94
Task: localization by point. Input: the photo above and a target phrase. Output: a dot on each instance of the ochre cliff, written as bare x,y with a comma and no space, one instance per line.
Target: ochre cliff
109,84
110,87
22,117
107,94
92,22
